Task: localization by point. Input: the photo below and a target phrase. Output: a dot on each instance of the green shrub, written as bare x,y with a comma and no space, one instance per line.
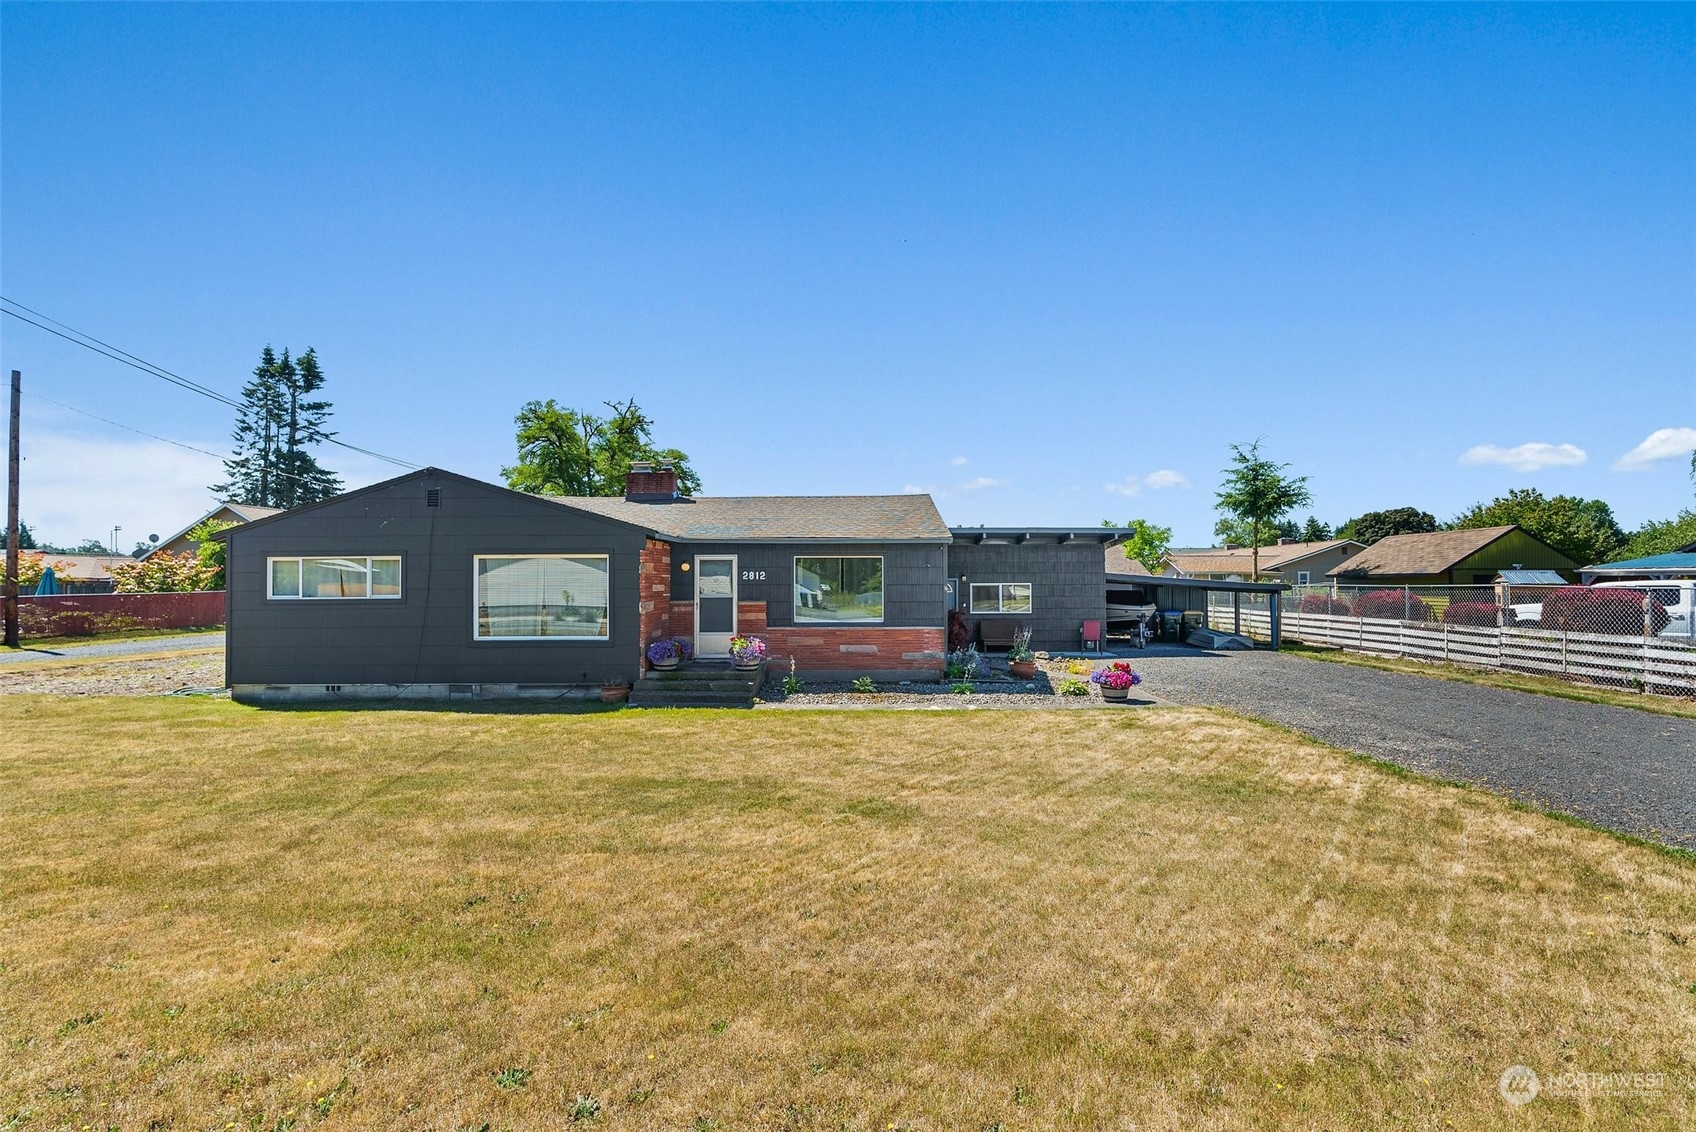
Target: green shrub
1073,687
864,684
962,688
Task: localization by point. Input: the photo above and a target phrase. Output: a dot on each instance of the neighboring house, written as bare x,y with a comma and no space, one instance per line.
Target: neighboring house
1288,561
1118,562
1452,558
180,543
1681,564
86,573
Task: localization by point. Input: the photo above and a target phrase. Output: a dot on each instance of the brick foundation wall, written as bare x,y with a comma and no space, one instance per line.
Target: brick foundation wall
860,648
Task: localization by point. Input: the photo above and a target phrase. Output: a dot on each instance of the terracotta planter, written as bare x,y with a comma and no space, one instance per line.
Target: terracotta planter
1115,694
1022,669
614,693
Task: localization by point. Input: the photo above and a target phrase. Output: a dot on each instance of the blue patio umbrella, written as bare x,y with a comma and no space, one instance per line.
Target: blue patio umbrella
49,585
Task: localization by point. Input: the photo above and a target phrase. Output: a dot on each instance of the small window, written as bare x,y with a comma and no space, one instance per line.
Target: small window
1301,577
541,597
335,578
836,590
1001,597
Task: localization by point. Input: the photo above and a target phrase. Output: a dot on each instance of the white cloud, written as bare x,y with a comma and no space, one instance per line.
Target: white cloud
980,483
1133,485
959,461
77,485
1526,457
915,489
1662,444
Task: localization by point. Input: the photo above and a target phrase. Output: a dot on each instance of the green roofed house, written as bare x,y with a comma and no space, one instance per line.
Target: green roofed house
1452,558
1656,567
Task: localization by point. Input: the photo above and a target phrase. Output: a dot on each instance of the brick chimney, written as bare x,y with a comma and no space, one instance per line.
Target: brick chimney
647,483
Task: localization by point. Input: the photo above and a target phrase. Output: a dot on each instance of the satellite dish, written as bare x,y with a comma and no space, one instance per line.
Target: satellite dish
152,538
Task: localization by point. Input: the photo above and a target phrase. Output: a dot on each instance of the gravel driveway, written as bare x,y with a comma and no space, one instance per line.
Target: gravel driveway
142,645
1628,770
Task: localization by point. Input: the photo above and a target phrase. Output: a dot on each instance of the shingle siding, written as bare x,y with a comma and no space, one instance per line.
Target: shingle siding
1068,585
913,577
425,635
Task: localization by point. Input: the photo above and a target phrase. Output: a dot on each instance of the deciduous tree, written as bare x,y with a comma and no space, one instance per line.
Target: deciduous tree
1375,525
1257,494
568,452
1582,529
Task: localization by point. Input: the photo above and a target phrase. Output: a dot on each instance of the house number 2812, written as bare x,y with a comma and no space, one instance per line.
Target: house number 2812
753,575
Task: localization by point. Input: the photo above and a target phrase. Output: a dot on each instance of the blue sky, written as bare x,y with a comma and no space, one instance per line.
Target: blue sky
1046,262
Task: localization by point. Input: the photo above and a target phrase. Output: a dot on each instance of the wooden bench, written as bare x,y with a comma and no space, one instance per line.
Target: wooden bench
998,634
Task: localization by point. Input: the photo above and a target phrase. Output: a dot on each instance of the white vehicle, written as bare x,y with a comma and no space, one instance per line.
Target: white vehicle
1675,595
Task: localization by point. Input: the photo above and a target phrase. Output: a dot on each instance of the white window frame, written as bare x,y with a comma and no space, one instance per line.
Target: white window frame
301,560
795,585
476,619
1302,577
1000,598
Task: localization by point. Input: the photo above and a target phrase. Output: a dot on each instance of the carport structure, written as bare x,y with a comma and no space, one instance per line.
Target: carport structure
1191,596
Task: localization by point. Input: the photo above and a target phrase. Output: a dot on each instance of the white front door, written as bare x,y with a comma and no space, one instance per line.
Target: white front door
715,604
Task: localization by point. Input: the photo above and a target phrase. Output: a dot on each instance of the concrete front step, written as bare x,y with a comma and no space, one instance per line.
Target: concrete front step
697,685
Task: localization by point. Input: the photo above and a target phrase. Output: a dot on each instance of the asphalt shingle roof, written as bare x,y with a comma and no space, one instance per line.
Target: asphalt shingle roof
770,518
1273,557
1431,553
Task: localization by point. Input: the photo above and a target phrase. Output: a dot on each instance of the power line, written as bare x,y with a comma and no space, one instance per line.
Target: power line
124,357
151,436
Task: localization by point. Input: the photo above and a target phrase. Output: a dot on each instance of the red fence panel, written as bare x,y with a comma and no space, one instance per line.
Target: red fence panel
83,615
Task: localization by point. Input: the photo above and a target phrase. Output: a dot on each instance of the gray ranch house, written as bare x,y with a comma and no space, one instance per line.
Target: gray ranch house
434,585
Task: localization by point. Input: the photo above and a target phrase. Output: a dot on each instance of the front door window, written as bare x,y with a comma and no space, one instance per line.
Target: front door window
715,605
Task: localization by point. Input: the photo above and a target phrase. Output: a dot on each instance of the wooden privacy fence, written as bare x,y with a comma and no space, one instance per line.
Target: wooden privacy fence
1648,664
83,615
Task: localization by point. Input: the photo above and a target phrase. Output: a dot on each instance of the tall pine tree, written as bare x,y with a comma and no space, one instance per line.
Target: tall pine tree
278,420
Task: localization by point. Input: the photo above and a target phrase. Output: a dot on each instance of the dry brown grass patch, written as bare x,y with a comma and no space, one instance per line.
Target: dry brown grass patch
1084,919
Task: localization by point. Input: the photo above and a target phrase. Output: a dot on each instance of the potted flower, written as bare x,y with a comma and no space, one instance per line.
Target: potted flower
1115,681
615,691
666,653
1021,661
747,652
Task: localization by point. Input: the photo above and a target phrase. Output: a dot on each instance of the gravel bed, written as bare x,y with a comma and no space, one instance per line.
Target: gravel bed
188,642
176,673
996,691
1632,771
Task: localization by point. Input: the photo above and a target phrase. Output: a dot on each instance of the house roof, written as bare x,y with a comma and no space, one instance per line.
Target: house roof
246,512
1218,560
776,518
1431,553
1676,561
1118,562
1531,577
83,567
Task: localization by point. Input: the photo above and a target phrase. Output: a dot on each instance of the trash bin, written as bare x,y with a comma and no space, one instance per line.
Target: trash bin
1171,622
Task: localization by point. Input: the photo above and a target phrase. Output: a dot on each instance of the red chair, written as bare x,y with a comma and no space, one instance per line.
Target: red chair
1091,634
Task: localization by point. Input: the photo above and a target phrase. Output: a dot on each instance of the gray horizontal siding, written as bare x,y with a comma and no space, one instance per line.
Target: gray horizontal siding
425,636
913,577
1068,585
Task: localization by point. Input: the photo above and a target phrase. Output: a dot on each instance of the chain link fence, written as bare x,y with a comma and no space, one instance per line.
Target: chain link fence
1640,636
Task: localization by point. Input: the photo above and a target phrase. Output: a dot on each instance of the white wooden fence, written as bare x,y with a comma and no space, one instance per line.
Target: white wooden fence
1647,664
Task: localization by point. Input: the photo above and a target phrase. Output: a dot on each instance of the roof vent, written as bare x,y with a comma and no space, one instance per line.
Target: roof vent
433,497
1288,541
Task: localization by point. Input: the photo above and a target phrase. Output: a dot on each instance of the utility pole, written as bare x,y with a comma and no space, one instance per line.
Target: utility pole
11,591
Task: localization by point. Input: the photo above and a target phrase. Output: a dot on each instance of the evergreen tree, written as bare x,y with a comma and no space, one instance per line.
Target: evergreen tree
26,539
277,421
1315,531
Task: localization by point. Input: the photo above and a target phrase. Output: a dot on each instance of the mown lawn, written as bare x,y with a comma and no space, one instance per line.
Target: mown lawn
212,915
